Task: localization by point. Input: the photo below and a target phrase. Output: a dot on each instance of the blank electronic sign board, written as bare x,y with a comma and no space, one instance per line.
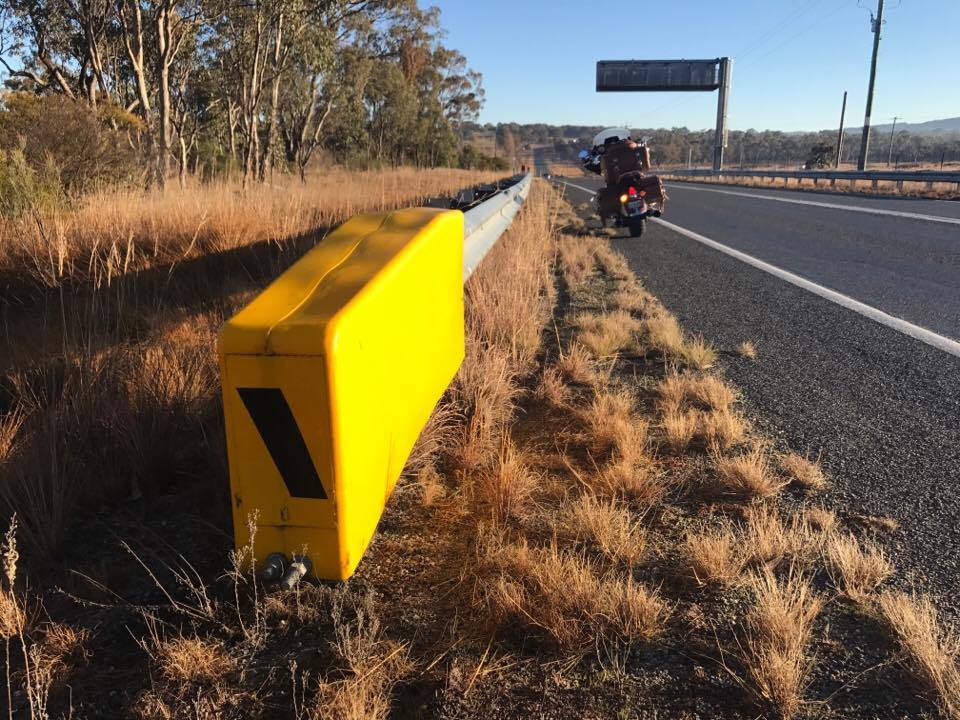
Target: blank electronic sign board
657,75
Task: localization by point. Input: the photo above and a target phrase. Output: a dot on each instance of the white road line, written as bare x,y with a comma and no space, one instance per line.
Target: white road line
832,206
929,337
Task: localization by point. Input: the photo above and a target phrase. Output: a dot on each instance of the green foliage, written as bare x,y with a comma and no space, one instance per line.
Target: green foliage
821,156
24,188
473,159
87,151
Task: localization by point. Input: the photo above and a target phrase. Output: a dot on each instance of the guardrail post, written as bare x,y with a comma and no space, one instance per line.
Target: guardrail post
875,184
833,182
899,185
929,184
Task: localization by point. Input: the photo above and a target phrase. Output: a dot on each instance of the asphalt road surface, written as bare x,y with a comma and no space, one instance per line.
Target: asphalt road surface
881,406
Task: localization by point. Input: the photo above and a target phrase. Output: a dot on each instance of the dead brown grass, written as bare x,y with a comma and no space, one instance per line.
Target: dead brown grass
747,349
577,365
713,556
857,569
506,490
577,258
930,650
563,595
773,542
609,422
605,525
778,631
803,471
679,428
748,475
120,232
605,334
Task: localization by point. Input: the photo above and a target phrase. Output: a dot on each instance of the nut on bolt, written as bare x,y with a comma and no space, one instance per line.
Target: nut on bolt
300,567
273,567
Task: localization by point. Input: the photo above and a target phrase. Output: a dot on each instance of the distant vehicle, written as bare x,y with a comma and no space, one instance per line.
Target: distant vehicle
630,196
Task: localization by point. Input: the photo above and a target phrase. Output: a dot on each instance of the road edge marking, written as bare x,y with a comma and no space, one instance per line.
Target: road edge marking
831,206
905,327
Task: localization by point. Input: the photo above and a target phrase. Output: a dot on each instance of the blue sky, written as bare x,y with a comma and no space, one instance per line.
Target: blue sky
792,59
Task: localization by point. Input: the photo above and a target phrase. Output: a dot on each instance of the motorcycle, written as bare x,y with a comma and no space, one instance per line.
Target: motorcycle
630,196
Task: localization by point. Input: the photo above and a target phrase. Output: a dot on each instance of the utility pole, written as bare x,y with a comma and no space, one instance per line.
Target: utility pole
865,143
690,157
843,112
892,131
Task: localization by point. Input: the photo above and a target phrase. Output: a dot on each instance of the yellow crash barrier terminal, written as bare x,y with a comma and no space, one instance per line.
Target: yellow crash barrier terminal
330,374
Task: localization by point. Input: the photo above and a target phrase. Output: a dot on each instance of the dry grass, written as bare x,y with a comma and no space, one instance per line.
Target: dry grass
778,631
430,486
698,353
632,297
552,389
614,264
748,475
609,421
713,557
577,258
707,391
819,518
633,481
747,350
607,333
577,365
506,490
857,569
929,650
773,543
663,332
120,232
603,524
803,472
563,595
722,429
679,428
192,660
372,665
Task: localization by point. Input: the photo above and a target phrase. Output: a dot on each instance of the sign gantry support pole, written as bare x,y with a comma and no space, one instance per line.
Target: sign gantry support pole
720,142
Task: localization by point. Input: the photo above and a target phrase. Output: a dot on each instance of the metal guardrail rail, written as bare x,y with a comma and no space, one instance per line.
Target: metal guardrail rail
875,176
485,223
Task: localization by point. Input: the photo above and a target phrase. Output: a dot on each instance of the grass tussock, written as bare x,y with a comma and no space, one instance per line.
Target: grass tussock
564,595
577,365
577,259
857,569
605,525
747,349
633,481
803,472
679,427
605,334
713,557
609,422
505,491
929,649
748,475
778,629
773,542
552,389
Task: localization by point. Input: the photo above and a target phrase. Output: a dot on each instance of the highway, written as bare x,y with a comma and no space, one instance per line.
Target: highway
881,406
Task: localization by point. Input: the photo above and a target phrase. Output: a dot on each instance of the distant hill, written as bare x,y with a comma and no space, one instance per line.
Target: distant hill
931,127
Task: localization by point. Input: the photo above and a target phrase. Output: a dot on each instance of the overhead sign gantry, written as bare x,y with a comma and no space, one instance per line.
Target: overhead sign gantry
673,76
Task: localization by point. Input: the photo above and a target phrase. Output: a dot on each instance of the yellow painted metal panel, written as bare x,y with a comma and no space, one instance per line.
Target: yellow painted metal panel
329,376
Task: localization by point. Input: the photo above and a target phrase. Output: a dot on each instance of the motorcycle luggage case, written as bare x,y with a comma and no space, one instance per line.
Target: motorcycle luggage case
623,158
608,201
652,185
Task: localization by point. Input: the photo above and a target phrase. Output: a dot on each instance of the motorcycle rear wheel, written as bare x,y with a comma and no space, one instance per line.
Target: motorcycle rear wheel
637,227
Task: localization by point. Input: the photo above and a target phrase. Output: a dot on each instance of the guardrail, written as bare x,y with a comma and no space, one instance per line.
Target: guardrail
874,176
331,372
484,224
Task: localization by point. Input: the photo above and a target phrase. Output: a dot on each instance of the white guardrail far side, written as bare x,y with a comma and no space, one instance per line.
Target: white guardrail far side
484,224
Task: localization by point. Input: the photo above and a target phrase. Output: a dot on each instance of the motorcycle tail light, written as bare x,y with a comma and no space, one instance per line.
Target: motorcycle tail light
643,193
623,198
632,190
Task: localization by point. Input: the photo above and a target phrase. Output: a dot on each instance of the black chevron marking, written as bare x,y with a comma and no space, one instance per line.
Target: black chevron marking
271,414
